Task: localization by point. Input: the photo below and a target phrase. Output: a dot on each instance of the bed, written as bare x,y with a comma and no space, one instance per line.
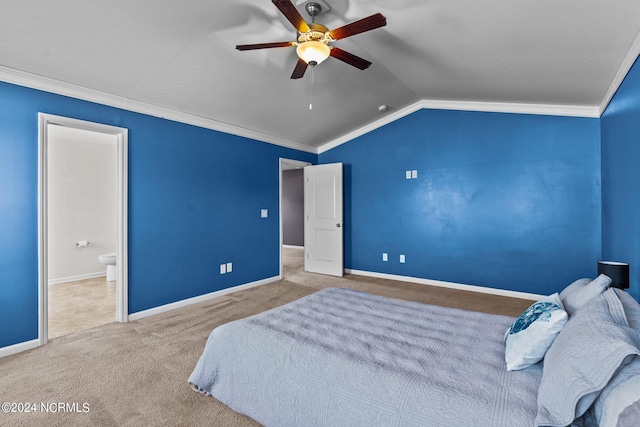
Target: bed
341,357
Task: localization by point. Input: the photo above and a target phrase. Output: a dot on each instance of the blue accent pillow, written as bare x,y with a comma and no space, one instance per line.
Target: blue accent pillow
530,336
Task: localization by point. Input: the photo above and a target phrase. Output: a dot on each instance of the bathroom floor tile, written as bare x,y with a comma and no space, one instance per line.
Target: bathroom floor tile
80,305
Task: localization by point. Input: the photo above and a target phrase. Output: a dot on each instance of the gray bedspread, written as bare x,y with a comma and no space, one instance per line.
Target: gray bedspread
346,358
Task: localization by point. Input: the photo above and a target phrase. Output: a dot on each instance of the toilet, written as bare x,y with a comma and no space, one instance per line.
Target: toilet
110,261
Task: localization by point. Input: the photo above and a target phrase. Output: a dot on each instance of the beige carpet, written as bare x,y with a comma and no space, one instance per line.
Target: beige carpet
135,374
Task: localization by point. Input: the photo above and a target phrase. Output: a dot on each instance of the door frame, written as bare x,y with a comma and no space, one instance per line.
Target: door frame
122,285
284,165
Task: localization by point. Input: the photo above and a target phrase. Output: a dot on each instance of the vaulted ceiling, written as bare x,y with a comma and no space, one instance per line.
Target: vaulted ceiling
178,59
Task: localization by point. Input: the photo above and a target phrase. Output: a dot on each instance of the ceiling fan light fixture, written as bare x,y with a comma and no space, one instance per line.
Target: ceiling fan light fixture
313,51
313,39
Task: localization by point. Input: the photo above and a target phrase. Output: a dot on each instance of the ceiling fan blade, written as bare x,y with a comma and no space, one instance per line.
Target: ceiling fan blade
365,24
349,58
300,69
291,13
264,45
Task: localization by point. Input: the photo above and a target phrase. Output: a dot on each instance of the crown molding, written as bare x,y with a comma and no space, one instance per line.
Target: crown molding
515,108
624,69
389,118
494,107
46,84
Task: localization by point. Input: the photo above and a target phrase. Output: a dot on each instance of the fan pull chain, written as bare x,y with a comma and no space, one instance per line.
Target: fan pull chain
310,89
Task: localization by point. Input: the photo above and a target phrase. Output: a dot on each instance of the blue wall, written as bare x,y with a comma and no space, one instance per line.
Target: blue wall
508,201
621,177
194,203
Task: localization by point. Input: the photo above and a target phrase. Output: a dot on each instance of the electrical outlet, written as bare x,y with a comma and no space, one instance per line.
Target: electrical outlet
385,257
402,259
264,213
414,174
223,268
408,174
229,267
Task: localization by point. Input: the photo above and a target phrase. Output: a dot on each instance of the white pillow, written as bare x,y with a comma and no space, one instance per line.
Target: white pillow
590,349
631,308
531,335
619,397
574,301
572,289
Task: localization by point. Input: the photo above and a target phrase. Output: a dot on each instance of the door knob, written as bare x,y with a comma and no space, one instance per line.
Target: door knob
338,225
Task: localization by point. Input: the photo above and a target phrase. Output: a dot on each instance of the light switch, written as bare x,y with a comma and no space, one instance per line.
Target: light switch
264,213
414,174
229,267
408,174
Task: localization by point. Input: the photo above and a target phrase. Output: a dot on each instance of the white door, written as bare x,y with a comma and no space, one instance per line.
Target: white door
323,219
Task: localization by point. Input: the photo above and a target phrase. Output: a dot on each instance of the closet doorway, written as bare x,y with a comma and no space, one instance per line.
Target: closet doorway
291,210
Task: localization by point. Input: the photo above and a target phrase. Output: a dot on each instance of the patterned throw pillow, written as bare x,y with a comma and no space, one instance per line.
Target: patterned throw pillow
531,335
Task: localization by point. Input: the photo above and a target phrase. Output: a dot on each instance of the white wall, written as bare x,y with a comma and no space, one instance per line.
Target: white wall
82,201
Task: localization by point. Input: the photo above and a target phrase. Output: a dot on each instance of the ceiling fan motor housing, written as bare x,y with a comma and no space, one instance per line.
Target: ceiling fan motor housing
313,9
318,32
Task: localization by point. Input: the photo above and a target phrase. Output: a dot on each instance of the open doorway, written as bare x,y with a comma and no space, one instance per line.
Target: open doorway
76,228
81,229
291,212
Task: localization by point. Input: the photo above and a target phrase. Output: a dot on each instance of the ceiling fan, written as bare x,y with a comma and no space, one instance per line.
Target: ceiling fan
313,41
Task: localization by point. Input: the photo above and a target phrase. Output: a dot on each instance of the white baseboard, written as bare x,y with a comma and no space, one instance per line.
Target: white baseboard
186,302
76,278
18,348
292,247
28,345
451,285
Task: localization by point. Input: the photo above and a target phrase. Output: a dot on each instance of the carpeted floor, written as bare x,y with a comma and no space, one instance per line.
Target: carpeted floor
135,374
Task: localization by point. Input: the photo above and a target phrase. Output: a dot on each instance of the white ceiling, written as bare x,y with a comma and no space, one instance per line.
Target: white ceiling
178,59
